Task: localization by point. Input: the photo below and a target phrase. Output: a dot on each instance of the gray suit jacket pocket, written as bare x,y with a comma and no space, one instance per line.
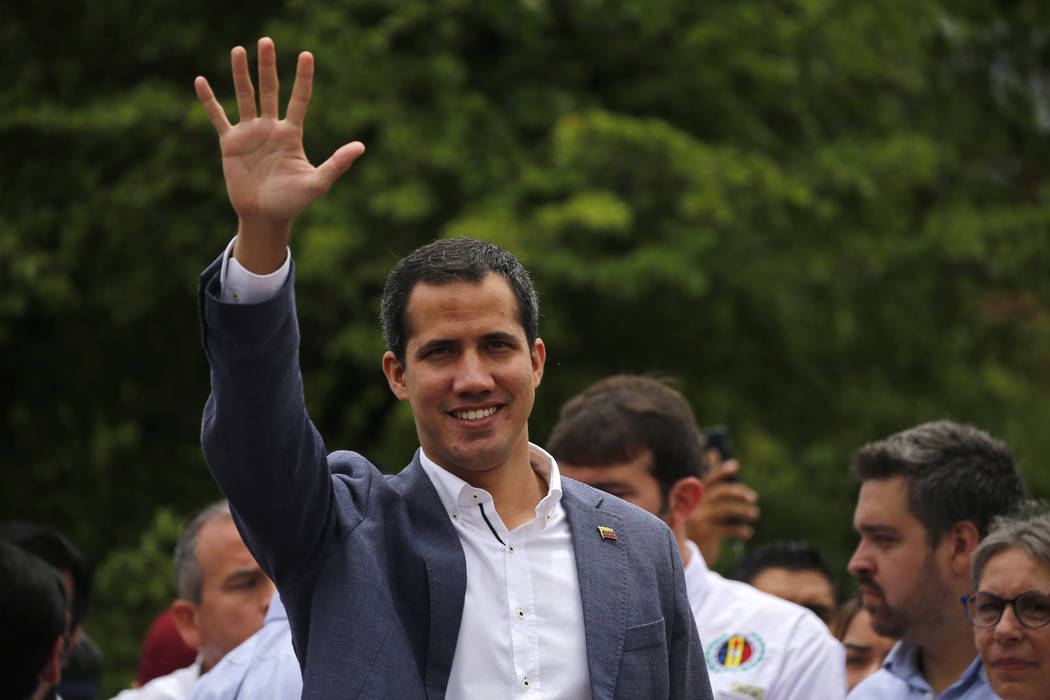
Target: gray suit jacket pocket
646,635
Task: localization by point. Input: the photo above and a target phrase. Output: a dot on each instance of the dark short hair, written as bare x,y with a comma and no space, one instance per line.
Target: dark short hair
56,549
1028,530
453,260
189,577
954,472
32,617
622,416
793,555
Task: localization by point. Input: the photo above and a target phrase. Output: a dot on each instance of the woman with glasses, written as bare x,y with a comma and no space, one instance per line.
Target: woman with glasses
1011,609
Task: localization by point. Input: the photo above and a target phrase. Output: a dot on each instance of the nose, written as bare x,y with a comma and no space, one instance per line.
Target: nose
266,595
473,375
1008,627
859,562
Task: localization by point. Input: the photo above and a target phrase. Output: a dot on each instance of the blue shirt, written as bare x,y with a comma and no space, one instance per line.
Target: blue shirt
263,666
900,679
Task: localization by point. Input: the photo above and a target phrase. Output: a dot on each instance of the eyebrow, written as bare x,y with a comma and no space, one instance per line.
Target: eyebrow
502,336
242,575
877,529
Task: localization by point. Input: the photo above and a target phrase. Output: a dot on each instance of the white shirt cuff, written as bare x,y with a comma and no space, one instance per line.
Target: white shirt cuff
239,286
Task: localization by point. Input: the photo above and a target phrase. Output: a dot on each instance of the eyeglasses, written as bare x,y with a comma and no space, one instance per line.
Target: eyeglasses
1031,608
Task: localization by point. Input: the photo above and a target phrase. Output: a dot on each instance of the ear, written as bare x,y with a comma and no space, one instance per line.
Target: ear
395,375
539,359
682,500
185,614
52,671
961,540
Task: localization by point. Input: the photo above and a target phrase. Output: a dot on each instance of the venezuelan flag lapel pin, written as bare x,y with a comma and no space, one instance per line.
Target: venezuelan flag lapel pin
607,533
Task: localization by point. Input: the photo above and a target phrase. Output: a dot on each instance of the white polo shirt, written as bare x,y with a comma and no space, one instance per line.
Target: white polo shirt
758,646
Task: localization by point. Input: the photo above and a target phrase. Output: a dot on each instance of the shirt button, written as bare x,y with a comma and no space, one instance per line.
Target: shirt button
236,296
521,613
525,682
476,496
510,547
455,515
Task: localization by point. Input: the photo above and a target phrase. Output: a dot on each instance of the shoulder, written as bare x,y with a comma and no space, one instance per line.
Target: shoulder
880,685
175,686
577,495
765,609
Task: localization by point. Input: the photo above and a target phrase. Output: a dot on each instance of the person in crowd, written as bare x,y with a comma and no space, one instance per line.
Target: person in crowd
78,573
865,648
477,571
34,624
636,438
263,666
793,570
162,650
729,509
82,673
223,597
1010,610
927,497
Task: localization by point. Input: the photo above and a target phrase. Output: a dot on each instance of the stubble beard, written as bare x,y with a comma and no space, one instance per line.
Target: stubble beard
922,612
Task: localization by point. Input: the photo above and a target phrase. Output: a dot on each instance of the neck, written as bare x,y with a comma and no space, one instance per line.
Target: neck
516,489
943,660
679,536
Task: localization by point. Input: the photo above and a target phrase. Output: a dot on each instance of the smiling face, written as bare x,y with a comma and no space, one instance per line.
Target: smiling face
469,374
902,577
1016,658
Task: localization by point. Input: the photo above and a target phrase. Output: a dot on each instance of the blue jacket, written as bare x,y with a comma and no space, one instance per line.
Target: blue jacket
369,566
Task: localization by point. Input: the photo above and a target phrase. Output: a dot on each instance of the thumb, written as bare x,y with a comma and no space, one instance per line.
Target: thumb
338,163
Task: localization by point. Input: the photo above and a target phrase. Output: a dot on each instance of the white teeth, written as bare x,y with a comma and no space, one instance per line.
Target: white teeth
476,414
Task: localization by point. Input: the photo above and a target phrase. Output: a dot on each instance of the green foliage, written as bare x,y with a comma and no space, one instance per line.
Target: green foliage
132,586
829,220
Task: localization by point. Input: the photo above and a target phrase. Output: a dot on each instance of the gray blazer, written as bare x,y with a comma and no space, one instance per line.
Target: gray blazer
369,566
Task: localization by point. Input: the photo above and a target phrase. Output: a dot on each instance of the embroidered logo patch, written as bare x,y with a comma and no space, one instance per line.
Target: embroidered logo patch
735,652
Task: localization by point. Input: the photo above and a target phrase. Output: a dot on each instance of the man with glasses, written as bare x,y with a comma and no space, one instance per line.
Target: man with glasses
928,496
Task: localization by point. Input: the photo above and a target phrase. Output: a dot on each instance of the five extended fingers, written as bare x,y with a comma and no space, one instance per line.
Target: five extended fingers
326,173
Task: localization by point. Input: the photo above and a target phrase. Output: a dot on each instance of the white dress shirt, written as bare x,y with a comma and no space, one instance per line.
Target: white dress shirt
522,633
177,685
758,646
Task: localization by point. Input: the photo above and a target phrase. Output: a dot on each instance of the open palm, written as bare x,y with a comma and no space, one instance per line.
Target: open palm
268,176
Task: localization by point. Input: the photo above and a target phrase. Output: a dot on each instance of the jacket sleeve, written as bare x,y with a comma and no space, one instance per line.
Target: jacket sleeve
258,440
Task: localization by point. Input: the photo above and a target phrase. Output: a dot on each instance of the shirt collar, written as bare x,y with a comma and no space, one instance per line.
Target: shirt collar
455,493
903,662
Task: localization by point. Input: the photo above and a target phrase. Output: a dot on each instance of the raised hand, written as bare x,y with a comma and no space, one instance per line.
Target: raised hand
268,176
727,509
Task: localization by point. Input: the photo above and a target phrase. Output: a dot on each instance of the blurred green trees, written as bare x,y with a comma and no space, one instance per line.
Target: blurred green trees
828,220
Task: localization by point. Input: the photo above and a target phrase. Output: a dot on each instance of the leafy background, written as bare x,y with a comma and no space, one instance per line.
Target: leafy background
828,220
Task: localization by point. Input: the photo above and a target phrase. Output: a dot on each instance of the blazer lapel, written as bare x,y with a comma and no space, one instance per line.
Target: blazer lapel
434,535
601,564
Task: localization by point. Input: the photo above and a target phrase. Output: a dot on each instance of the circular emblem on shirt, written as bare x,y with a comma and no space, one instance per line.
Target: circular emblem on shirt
735,652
